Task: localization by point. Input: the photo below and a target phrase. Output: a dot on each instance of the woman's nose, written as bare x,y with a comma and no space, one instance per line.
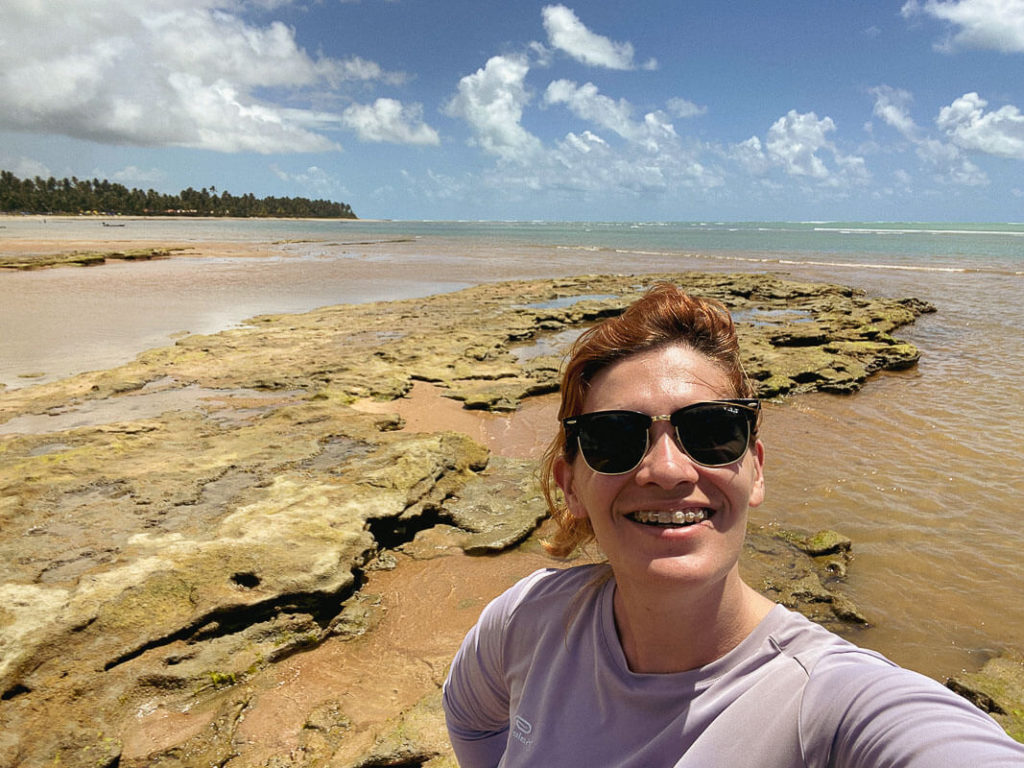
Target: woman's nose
665,463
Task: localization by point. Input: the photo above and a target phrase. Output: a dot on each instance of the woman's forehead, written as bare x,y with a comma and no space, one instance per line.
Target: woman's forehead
669,372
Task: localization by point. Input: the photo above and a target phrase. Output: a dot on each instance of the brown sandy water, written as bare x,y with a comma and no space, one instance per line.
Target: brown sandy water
935,608
922,469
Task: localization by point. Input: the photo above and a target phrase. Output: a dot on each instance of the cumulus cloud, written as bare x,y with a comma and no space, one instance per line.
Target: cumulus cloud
583,163
986,24
586,102
388,120
650,160
796,144
944,159
491,101
792,144
794,140
568,34
162,73
999,132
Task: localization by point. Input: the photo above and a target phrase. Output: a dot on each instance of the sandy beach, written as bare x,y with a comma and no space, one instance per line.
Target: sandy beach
953,632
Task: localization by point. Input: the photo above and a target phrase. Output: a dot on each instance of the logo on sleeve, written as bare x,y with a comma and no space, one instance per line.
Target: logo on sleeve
521,730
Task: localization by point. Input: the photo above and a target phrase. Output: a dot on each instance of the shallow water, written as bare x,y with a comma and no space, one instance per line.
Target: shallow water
921,468
57,322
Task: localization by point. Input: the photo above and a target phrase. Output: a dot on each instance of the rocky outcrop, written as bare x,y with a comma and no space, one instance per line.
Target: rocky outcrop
24,262
174,531
810,581
997,688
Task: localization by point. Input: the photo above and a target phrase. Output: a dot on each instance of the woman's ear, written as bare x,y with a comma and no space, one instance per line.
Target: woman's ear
564,478
757,488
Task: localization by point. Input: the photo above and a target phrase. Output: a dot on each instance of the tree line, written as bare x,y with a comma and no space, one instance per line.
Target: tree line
75,196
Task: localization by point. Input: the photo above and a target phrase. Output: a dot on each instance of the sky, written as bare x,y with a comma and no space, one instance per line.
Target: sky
652,110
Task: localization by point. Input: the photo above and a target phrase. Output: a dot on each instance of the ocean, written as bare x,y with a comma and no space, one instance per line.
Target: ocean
921,468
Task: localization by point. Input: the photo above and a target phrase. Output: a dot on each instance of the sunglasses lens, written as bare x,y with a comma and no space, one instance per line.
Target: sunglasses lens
613,442
713,434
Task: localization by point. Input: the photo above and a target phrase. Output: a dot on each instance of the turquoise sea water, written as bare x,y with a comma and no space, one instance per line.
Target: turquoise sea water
988,246
922,468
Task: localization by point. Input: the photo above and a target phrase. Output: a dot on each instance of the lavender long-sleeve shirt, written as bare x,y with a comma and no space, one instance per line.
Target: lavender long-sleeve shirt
541,680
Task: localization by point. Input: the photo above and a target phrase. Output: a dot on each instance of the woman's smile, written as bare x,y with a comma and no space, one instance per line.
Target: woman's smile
672,519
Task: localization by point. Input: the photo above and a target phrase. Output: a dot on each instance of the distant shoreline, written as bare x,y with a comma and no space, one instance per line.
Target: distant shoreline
836,225
101,217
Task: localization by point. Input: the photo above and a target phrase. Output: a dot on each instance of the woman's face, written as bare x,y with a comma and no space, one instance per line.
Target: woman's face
626,511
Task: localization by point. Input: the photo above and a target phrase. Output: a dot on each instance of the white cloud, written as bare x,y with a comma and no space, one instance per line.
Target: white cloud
590,164
945,160
491,100
795,143
649,161
585,142
892,106
570,35
1000,132
949,165
586,102
391,121
24,167
585,164
750,154
986,24
133,176
542,55
794,140
683,108
163,73
315,181
852,169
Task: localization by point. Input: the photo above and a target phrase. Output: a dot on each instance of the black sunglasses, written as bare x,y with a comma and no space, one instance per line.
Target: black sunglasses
712,434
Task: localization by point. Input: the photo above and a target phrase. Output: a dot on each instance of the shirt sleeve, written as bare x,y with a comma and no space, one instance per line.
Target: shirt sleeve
860,711
476,694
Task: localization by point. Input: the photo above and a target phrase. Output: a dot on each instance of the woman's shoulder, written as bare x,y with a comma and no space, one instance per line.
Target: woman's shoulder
812,646
554,585
857,702
548,591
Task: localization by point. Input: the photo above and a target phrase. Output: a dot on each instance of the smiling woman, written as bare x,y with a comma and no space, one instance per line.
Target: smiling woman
663,656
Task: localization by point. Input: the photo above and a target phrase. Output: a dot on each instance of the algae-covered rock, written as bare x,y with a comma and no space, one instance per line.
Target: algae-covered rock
416,737
997,688
804,572
500,507
824,542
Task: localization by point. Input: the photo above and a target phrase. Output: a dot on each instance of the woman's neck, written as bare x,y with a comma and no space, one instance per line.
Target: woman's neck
675,629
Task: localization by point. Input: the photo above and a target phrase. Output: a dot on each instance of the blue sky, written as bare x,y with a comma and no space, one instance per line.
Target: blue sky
478,109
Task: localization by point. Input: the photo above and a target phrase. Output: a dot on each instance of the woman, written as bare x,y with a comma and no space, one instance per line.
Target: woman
664,656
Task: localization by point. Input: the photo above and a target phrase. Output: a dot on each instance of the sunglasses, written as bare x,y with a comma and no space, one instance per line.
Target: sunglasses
712,434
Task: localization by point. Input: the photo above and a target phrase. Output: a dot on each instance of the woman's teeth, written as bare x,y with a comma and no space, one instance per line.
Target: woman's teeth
675,517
